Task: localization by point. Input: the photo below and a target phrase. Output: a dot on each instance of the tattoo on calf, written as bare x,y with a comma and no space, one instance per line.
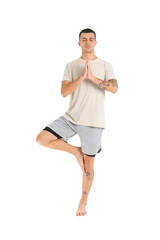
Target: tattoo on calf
87,173
84,192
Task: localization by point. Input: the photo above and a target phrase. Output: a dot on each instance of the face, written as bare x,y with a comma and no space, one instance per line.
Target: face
87,42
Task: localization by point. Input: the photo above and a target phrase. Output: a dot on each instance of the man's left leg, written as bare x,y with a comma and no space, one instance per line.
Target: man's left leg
86,184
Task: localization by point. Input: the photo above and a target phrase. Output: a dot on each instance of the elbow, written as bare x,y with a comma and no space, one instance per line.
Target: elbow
115,90
63,94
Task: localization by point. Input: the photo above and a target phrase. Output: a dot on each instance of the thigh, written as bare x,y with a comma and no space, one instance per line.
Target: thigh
46,136
61,128
90,138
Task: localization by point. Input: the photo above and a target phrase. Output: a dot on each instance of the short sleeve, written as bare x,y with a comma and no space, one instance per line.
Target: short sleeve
66,74
109,72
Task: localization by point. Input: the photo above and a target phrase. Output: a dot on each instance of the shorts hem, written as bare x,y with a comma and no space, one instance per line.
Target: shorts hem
94,154
90,155
53,132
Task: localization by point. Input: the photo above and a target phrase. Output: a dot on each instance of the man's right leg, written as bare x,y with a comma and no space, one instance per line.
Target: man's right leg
48,139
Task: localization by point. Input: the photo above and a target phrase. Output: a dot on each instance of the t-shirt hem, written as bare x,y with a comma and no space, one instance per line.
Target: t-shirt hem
78,123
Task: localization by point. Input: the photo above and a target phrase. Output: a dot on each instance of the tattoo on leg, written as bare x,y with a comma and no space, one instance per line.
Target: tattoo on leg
87,173
84,192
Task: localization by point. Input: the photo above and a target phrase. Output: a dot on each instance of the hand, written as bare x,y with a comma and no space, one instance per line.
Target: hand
89,74
87,71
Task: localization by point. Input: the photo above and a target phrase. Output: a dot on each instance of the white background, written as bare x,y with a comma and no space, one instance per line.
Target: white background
40,187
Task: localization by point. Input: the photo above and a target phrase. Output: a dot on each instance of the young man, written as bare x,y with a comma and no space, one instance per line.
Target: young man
86,79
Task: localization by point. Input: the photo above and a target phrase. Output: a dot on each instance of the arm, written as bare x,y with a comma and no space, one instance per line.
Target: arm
110,85
68,87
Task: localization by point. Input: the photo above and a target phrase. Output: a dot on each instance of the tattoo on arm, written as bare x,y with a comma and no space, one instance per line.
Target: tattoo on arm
113,83
103,83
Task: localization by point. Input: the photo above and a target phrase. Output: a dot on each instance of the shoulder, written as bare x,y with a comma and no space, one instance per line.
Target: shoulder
106,63
72,63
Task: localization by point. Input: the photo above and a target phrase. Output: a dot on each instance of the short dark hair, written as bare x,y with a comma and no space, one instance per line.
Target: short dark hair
87,30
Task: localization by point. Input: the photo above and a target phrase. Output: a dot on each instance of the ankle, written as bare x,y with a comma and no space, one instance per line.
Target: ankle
83,200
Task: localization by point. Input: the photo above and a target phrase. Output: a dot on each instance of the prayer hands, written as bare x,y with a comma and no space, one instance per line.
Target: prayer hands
87,71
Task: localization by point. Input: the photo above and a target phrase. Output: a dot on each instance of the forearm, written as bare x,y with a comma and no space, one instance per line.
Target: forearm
110,85
71,87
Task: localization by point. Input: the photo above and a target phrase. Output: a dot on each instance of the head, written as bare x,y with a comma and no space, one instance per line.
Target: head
87,40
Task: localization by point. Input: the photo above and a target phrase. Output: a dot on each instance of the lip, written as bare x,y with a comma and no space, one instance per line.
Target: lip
87,46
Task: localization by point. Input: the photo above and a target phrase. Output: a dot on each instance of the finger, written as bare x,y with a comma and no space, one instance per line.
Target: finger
87,61
88,65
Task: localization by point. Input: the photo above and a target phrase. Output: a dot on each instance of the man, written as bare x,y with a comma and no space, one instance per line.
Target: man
85,79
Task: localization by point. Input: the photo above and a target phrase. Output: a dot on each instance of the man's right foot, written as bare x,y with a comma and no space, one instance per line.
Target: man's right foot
80,158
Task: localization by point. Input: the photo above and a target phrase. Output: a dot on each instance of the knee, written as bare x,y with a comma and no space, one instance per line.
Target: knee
40,140
89,163
89,168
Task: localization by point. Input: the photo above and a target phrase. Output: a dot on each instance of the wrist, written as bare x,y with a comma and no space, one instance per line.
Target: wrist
82,78
92,78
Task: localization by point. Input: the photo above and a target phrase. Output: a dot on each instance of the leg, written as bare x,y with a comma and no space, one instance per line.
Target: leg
48,139
86,185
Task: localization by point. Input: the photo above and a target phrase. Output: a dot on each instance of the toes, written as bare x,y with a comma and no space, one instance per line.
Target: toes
84,213
77,213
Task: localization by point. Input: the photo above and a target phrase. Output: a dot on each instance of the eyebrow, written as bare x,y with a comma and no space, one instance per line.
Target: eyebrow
86,38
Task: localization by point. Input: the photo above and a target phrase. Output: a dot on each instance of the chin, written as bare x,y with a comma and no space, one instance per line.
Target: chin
88,50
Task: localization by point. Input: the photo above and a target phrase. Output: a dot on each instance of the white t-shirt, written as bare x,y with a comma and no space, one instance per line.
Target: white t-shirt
86,105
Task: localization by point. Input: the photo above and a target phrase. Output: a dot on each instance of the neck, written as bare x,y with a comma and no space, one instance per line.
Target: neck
91,56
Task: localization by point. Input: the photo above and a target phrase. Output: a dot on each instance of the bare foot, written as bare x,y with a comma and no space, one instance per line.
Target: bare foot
81,210
80,158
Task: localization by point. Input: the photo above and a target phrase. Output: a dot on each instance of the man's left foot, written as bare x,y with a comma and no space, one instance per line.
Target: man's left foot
81,210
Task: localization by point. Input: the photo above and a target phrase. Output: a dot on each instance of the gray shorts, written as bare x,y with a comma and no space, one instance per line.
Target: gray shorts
90,137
